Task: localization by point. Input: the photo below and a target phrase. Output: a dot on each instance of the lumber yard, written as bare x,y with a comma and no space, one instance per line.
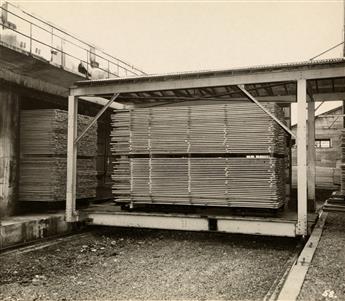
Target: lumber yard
119,184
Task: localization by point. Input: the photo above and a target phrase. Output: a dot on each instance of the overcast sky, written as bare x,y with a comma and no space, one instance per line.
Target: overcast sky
172,36
161,37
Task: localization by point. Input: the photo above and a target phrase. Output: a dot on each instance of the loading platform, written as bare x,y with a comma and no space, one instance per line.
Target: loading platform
205,219
285,84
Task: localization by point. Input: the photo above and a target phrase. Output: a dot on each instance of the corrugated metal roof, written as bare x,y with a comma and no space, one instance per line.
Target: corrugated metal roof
205,73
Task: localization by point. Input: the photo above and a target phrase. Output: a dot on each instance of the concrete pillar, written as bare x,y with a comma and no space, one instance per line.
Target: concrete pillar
9,144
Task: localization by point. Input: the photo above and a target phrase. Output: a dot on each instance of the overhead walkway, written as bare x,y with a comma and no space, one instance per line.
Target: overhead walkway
37,54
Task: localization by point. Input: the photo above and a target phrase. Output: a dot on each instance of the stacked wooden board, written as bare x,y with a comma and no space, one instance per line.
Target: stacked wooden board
215,155
44,132
342,166
43,163
226,128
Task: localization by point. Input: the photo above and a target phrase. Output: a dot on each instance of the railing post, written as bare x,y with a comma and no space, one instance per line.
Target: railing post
87,63
30,38
62,53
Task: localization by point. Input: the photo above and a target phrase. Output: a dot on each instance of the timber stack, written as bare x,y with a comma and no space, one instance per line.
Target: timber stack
43,168
215,155
342,166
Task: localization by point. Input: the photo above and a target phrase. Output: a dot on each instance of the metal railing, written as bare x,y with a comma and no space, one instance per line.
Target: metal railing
30,34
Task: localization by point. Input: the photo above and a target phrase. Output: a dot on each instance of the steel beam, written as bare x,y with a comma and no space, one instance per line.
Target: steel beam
71,214
302,224
252,98
257,227
252,226
286,100
99,114
158,83
103,101
163,221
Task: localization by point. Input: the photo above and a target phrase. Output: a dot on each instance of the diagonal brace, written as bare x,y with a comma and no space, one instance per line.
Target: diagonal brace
252,98
99,114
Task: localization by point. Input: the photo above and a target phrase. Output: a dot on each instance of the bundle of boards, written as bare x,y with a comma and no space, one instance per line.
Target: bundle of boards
215,155
43,163
342,166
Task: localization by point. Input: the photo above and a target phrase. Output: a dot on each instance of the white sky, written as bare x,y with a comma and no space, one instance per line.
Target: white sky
161,37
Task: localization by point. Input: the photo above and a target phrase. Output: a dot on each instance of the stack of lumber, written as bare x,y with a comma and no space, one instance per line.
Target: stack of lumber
342,166
44,132
233,182
215,155
44,179
235,128
43,164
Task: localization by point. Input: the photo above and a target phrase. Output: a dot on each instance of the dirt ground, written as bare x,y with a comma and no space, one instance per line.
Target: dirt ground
325,279
109,264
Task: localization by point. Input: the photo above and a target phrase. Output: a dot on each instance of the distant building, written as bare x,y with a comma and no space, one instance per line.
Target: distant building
328,154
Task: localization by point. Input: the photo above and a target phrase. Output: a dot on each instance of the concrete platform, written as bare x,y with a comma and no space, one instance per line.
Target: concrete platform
283,224
16,230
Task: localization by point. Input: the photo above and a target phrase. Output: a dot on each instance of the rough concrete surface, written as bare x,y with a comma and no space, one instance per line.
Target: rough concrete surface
111,264
325,279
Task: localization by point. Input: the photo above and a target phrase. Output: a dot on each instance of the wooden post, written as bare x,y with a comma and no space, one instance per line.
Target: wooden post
71,214
311,156
302,222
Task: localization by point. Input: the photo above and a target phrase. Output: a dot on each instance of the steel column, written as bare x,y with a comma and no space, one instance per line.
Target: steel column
302,223
71,214
311,155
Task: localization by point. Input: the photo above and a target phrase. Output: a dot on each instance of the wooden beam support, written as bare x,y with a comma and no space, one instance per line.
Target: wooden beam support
311,156
71,214
302,223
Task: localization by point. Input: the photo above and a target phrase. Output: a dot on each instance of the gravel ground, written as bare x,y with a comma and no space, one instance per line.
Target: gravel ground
325,279
110,264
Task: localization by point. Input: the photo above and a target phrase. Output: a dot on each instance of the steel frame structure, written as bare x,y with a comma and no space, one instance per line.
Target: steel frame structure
239,83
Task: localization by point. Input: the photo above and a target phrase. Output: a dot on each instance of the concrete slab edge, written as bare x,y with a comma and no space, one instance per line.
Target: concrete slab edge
32,229
294,281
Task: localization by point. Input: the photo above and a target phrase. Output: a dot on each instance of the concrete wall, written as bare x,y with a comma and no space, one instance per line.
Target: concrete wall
327,159
9,115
